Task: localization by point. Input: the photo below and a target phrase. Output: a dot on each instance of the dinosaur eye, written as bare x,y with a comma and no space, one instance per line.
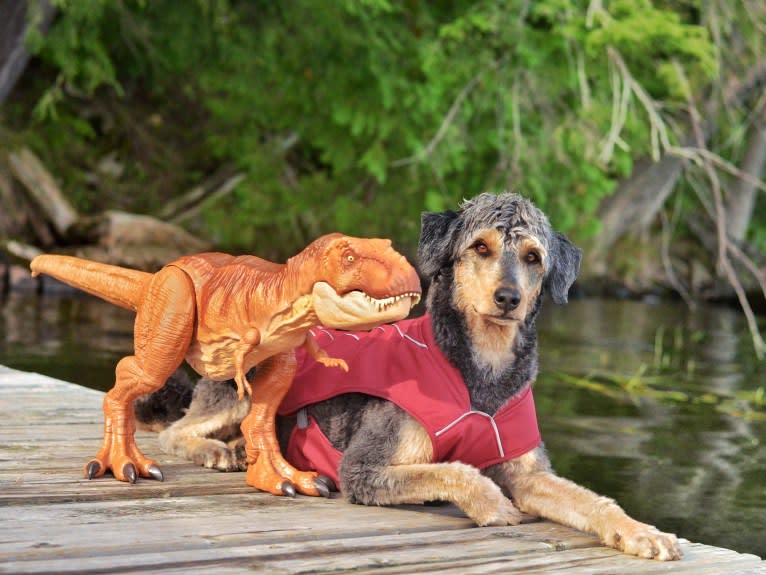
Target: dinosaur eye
481,248
349,258
532,257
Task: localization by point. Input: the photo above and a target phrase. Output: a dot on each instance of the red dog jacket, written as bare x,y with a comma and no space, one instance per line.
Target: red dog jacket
402,363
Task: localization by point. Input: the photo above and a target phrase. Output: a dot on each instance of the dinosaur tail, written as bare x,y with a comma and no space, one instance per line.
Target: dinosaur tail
117,285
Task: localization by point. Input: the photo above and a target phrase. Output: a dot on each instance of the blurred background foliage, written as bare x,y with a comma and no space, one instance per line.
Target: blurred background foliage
357,115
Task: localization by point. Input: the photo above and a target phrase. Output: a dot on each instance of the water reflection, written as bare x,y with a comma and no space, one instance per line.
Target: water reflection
685,466
74,338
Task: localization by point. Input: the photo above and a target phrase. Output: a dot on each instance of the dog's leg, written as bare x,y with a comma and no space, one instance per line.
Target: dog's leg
460,484
212,421
537,490
374,471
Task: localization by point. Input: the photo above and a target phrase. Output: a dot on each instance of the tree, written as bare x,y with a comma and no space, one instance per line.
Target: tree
743,193
359,114
15,20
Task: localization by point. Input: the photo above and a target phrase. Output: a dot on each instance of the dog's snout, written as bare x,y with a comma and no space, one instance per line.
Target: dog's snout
507,298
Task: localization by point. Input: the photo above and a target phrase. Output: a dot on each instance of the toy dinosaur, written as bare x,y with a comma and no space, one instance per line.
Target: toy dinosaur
226,314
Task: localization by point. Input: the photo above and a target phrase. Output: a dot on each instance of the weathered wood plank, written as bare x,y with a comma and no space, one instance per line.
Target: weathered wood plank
198,520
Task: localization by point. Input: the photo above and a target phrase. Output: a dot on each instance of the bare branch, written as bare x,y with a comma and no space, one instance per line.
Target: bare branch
595,10
758,274
518,138
668,265
700,156
659,131
582,78
724,264
622,84
733,248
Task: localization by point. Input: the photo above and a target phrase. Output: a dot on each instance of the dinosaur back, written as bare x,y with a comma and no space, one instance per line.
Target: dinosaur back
120,286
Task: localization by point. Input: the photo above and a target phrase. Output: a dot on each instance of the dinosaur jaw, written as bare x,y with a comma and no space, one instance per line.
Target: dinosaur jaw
357,310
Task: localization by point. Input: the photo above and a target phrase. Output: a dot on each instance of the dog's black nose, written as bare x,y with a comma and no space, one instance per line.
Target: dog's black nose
507,298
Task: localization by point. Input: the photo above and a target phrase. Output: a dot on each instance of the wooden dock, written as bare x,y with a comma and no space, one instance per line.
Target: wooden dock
202,521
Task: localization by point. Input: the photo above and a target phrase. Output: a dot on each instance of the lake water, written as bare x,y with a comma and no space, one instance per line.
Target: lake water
660,407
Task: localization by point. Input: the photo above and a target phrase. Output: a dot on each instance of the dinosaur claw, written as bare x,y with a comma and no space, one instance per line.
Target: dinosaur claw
156,473
322,488
325,485
288,489
92,469
129,471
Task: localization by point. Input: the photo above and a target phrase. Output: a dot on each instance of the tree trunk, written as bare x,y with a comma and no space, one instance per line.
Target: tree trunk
638,199
635,205
742,195
13,31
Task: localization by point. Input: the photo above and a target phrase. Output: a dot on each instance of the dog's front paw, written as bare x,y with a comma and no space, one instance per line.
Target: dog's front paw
217,455
505,514
645,541
487,505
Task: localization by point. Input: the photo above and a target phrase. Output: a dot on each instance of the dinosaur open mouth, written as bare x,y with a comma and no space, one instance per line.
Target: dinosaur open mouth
382,304
358,310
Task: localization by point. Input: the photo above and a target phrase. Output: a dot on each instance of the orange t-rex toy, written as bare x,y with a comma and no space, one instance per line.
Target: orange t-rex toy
226,314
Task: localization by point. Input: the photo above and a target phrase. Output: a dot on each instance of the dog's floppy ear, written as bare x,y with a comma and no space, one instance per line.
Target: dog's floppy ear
566,265
436,232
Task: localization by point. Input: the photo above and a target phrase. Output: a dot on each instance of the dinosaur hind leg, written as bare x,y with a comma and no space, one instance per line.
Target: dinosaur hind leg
267,469
163,330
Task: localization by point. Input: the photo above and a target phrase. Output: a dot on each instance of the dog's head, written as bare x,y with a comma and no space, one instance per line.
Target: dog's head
503,253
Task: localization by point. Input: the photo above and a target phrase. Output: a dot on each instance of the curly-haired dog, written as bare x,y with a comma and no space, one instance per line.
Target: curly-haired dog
440,407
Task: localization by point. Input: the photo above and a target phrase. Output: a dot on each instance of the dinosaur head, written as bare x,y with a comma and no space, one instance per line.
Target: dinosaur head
362,283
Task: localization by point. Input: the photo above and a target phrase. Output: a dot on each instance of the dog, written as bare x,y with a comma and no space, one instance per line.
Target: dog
489,265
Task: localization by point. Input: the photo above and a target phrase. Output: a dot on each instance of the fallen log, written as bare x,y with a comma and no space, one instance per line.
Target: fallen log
134,240
116,237
32,174
23,252
18,217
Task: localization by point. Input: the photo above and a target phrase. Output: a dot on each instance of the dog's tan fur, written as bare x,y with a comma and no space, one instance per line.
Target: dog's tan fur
477,277
210,438
494,243
463,485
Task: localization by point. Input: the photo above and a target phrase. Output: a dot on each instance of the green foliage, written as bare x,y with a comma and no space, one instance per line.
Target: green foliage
358,115
646,34
77,51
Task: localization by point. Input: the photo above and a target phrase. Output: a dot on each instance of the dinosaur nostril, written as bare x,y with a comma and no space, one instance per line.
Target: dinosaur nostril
507,299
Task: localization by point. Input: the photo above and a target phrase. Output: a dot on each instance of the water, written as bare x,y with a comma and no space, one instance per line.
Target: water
655,405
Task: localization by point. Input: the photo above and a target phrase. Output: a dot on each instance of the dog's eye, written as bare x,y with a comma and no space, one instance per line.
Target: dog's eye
481,248
532,257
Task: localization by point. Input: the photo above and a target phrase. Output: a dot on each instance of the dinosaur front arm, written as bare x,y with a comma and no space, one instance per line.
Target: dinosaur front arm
320,355
251,339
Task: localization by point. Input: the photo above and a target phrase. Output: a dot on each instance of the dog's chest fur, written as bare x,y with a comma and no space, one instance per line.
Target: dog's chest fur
489,386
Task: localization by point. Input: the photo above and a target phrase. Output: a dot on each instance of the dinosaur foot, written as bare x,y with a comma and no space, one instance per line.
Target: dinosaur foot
271,473
126,465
